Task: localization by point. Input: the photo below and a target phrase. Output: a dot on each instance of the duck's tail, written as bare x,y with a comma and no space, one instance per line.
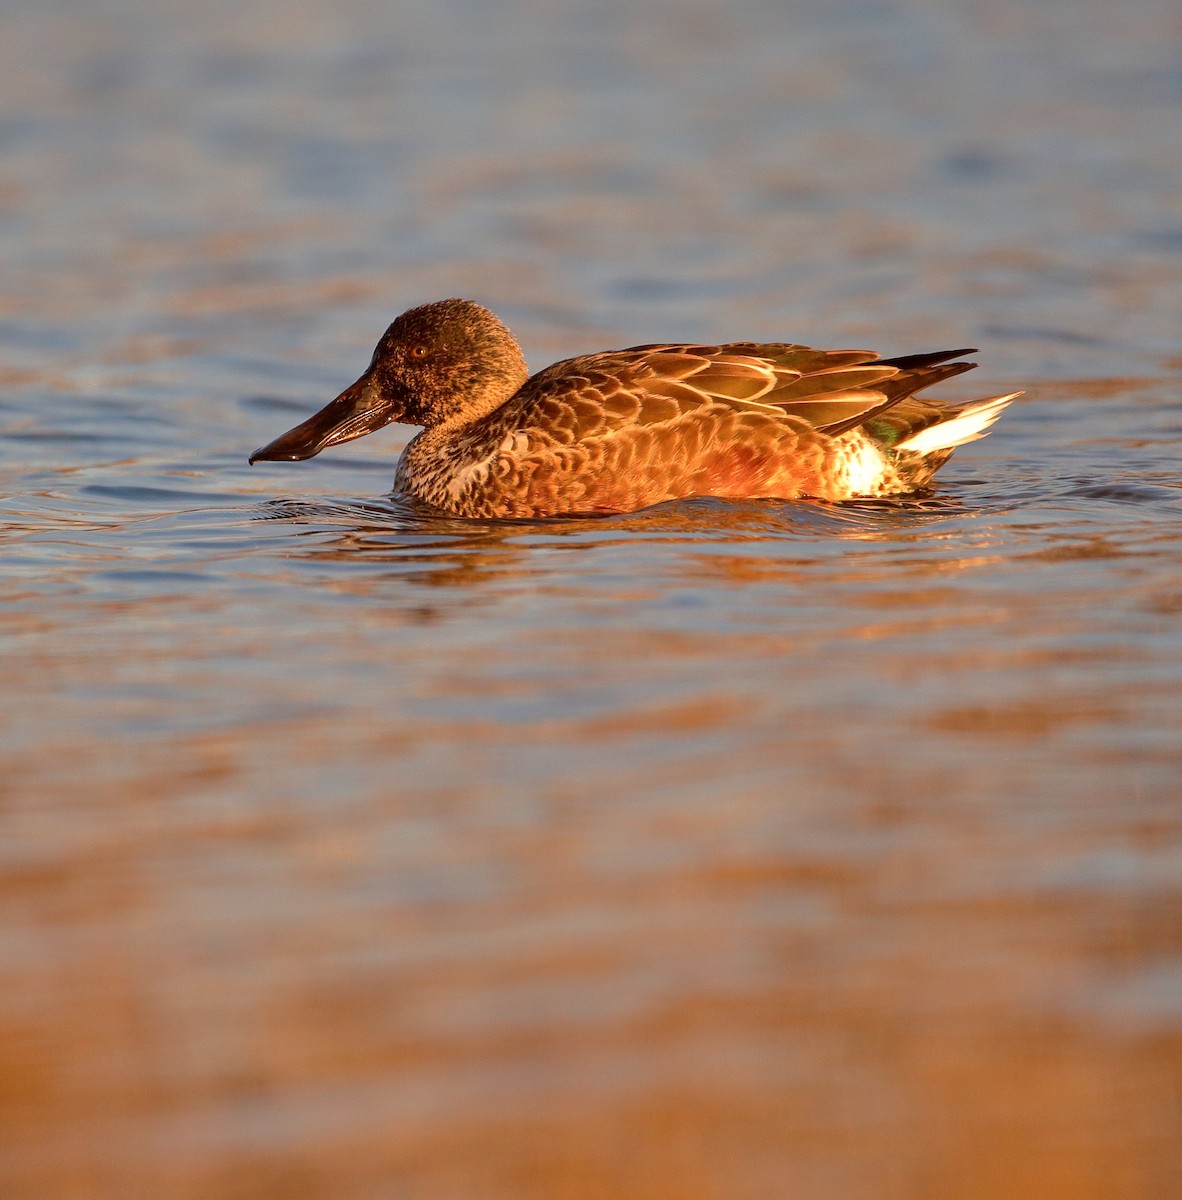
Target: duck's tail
963,423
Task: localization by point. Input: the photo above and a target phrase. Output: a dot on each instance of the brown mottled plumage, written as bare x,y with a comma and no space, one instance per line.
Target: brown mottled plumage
615,432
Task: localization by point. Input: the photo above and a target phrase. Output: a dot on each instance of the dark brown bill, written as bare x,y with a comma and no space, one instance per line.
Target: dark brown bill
354,413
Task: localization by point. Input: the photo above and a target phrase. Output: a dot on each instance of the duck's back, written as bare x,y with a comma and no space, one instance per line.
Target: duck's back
619,431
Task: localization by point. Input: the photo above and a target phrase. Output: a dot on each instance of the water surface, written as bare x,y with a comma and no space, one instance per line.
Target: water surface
718,850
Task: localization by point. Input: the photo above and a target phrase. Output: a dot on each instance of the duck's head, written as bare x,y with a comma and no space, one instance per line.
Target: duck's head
443,363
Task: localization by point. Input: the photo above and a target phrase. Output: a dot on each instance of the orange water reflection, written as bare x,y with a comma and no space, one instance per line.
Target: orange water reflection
651,1009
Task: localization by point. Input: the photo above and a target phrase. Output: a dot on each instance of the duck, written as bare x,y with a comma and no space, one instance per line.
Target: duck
618,431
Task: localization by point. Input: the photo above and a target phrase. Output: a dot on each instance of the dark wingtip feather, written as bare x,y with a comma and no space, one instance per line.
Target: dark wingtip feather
909,362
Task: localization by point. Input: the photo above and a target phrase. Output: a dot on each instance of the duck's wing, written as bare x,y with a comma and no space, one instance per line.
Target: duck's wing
832,390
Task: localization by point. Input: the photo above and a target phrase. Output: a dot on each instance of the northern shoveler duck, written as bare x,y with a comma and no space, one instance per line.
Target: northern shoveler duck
614,432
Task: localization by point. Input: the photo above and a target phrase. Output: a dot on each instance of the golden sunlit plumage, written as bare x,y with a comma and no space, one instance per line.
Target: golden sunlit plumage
618,431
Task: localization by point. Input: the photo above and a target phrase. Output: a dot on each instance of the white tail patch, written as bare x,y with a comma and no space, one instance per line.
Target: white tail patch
971,423
863,469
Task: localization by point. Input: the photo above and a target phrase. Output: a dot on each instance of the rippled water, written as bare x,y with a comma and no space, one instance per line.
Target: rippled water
718,850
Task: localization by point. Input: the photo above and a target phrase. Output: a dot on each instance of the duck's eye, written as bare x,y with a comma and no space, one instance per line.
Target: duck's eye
419,351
